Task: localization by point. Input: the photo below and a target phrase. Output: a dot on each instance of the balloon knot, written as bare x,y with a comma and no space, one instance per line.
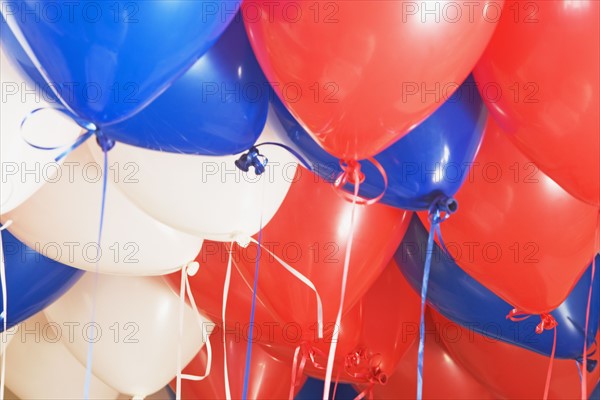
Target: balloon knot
352,171
105,143
252,158
441,208
362,364
192,268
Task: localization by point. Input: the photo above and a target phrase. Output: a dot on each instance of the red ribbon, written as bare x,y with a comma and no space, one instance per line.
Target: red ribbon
308,353
352,174
547,323
364,365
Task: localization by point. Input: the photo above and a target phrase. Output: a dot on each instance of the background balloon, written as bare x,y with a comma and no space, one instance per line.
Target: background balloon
432,160
509,371
443,377
465,301
388,316
132,242
313,389
22,163
105,65
39,366
357,93
218,107
501,234
309,232
32,280
269,378
206,196
542,95
136,330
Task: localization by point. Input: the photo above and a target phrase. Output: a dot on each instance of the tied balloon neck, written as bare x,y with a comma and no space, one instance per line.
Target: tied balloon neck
591,364
352,170
252,158
105,143
362,364
442,208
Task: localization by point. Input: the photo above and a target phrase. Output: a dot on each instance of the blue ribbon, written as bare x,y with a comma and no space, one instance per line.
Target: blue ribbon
440,205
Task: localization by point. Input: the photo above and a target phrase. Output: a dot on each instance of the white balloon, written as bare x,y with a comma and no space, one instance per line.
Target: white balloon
39,366
62,220
23,166
136,330
205,195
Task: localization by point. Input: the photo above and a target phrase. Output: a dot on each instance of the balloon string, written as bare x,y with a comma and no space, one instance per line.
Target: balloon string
338,320
368,391
337,380
297,370
90,130
447,206
4,311
547,322
351,172
226,286
298,156
188,270
304,280
585,334
90,352
550,366
253,307
427,268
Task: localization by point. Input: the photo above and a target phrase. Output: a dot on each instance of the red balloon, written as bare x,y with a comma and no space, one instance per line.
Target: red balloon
269,378
387,318
539,77
309,232
516,231
359,75
443,377
511,372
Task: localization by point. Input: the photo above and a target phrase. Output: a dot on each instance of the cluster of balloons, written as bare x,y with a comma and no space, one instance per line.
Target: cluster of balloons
194,183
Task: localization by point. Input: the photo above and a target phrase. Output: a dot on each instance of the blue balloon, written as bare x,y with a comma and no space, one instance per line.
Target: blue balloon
313,389
432,160
218,107
33,281
462,299
107,60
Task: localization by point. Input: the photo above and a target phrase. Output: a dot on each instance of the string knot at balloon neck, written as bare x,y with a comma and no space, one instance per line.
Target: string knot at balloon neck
351,171
547,321
365,365
590,364
191,268
442,208
252,158
105,143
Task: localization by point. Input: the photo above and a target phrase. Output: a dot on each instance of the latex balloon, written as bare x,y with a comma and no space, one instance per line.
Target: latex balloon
543,95
432,160
39,366
207,196
516,231
309,233
32,281
465,301
509,371
388,316
269,378
313,389
107,61
22,164
135,330
443,377
132,243
225,96
358,92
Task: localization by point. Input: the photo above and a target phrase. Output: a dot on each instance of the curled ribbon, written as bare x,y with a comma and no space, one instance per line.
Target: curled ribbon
351,173
364,365
308,353
547,322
